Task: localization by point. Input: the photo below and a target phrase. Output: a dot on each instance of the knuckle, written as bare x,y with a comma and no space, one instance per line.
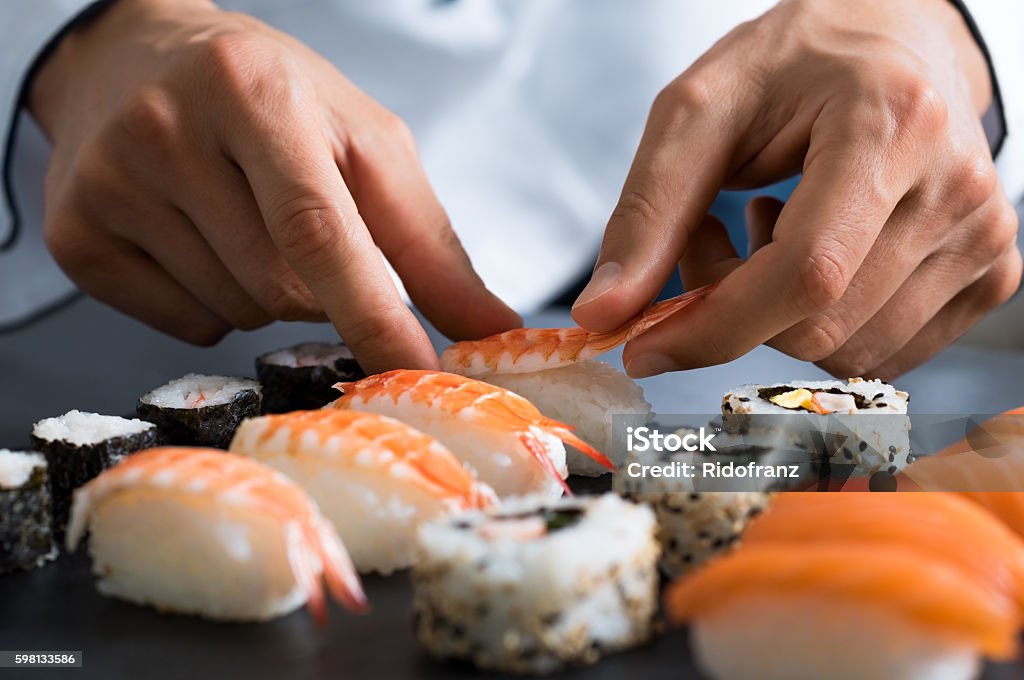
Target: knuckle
996,233
290,303
1003,283
972,181
370,331
308,232
913,105
687,93
851,361
247,68
822,279
397,131
231,53
814,339
636,204
66,249
149,117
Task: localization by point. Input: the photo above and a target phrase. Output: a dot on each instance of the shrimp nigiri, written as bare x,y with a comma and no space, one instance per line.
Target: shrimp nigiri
497,433
983,545
526,350
556,369
375,478
843,611
200,531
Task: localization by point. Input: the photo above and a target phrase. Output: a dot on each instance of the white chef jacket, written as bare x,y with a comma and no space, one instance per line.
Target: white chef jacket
527,114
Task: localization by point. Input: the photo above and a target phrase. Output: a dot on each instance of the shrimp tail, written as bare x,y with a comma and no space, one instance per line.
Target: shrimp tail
567,436
660,311
540,453
342,578
308,580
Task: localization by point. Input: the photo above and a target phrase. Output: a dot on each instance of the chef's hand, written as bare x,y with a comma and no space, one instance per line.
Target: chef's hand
211,173
898,237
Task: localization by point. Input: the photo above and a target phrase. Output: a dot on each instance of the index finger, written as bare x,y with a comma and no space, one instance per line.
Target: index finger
313,220
820,240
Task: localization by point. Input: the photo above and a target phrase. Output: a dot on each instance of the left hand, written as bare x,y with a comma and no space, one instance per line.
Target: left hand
898,237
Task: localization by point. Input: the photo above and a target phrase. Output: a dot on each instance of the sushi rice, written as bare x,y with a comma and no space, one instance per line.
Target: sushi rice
303,376
78,446
537,585
201,410
586,395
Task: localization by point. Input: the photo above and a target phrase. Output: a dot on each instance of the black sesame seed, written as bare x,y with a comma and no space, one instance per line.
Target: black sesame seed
744,399
892,449
878,396
880,404
863,445
892,469
892,457
695,497
847,454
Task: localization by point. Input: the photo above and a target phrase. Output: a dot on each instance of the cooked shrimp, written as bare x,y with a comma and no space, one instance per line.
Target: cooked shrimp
525,350
375,478
497,433
215,485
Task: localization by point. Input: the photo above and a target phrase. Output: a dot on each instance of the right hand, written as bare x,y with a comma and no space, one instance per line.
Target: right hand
211,173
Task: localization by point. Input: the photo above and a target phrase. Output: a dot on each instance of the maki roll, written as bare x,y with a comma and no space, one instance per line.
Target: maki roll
537,585
201,410
700,515
303,376
867,428
26,538
695,526
585,395
78,446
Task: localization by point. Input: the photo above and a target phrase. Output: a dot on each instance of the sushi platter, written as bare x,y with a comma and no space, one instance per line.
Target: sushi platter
461,523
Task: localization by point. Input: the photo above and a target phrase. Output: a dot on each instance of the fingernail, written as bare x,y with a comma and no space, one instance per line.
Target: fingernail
604,279
645,365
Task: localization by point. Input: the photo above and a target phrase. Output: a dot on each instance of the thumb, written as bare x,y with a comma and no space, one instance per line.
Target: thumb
662,201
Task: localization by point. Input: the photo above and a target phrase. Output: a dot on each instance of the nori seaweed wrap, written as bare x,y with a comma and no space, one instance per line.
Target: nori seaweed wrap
302,377
201,410
79,446
26,533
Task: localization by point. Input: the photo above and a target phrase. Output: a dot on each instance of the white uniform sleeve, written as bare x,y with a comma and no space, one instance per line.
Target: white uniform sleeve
1000,24
27,28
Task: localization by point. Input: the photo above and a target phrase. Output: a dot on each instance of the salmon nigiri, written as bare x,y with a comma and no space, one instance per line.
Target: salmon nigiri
986,466
375,478
843,611
942,526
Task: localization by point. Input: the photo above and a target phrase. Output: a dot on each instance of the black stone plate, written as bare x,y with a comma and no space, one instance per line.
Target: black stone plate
57,608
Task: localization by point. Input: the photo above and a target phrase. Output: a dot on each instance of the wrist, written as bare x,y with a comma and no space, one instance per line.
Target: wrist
968,54
63,75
